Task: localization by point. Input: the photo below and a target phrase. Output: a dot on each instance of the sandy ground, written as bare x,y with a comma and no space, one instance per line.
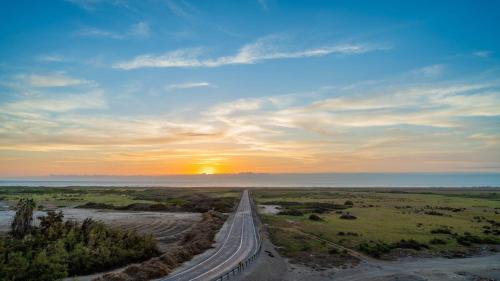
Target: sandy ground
269,209
272,267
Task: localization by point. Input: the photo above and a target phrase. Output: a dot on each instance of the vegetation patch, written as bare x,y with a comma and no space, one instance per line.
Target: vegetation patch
301,249
348,216
315,217
388,216
57,248
199,203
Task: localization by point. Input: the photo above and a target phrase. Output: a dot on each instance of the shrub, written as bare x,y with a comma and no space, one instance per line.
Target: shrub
348,216
410,244
437,241
434,213
441,231
349,203
333,251
290,212
468,240
315,217
375,249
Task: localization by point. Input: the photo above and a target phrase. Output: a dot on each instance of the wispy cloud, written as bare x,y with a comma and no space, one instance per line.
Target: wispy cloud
261,50
189,85
431,70
91,5
64,103
180,9
482,54
263,4
140,30
51,58
53,80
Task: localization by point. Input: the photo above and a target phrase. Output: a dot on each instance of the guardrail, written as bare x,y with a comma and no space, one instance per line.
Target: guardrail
241,266
246,262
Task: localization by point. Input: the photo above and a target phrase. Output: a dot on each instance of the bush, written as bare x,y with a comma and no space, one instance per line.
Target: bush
290,212
348,216
57,249
315,217
375,249
410,244
349,203
437,241
434,213
468,240
441,231
333,251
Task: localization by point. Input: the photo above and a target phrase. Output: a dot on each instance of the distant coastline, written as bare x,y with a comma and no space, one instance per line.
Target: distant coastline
268,180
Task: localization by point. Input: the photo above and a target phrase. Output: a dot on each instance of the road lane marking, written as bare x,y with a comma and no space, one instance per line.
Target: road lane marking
239,247
213,255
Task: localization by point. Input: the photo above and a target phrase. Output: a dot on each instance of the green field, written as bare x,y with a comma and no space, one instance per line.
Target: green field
51,197
384,217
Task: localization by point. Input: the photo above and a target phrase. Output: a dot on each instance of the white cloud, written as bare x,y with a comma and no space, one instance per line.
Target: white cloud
261,50
189,85
53,80
91,5
431,70
482,54
179,8
51,58
96,32
65,103
140,29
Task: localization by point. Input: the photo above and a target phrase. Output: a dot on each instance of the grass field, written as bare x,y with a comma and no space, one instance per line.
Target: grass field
47,197
385,217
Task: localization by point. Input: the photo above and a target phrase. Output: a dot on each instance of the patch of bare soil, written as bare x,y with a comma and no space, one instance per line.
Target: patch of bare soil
198,239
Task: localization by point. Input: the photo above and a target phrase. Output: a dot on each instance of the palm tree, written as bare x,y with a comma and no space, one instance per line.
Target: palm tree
23,220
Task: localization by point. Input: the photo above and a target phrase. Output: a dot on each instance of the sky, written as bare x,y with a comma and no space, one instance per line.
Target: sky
158,87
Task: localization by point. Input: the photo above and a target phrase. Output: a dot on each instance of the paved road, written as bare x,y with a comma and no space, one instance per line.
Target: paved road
239,243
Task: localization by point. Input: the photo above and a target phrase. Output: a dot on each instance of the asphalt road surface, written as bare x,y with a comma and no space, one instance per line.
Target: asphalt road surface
239,243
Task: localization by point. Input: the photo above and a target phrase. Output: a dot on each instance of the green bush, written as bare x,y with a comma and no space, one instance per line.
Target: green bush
57,249
315,217
291,212
437,241
375,249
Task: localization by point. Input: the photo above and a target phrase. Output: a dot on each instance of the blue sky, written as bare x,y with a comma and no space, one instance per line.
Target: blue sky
166,87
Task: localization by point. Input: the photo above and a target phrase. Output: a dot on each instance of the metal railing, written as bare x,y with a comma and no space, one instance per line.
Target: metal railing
246,262
241,266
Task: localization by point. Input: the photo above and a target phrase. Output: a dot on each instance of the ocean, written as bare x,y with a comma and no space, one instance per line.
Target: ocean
270,180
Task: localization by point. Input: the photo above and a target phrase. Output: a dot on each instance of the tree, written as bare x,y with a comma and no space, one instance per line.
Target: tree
23,220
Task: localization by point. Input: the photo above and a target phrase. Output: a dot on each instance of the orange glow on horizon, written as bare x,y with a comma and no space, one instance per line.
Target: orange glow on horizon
207,170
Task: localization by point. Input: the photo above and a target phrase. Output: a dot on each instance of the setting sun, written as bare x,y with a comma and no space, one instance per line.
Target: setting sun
207,170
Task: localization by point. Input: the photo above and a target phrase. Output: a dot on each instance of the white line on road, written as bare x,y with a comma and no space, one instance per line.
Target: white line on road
241,243
213,255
